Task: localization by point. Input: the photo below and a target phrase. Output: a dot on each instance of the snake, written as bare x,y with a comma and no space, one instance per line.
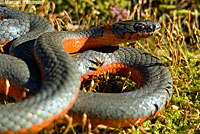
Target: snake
39,60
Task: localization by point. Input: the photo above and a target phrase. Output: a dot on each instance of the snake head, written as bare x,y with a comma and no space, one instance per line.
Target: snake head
135,29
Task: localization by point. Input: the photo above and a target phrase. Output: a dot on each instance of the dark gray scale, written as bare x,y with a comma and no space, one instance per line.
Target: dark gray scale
61,79
13,25
151,97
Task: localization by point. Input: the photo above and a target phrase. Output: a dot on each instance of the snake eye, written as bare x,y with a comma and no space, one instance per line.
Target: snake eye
139,27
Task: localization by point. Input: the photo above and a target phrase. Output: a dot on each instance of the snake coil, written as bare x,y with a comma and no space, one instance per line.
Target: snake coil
37,61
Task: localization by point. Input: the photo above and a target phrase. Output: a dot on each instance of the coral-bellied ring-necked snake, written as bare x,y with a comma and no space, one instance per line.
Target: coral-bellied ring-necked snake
38,62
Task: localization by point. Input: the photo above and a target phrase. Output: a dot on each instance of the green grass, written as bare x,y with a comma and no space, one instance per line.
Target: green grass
177,45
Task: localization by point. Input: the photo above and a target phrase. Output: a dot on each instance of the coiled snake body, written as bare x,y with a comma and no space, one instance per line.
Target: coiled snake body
38,49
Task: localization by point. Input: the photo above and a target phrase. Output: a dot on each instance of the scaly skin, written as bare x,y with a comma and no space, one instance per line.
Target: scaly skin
40,56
